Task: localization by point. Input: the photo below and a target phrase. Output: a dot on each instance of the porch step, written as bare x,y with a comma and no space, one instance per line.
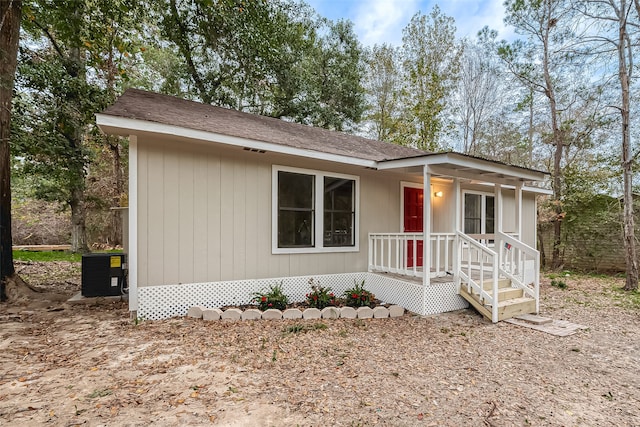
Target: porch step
511,303
502,283
504,293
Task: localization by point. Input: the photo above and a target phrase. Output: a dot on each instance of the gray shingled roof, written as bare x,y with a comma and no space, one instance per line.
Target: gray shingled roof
169,110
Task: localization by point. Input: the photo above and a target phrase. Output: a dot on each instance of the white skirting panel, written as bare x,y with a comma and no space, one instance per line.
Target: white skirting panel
395,291
443,297
161,302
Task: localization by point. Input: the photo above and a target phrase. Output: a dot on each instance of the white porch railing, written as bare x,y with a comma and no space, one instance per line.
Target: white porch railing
478,264
472,263
520,263
389,252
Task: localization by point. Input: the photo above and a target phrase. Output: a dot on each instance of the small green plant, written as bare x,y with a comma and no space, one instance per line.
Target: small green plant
320,297
294,329
99,393
629,299
358,296
298,328
557,283
273,298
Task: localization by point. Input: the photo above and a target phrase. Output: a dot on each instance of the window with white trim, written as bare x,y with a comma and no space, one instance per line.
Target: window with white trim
296,213
314,211
479,213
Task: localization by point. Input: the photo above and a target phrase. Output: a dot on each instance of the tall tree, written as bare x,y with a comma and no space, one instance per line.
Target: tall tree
432,65
537,64
67,71
478,94
617,34
624,49
273,58
10,13
383,86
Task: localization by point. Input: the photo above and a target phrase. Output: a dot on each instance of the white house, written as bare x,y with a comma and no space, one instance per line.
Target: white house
224,203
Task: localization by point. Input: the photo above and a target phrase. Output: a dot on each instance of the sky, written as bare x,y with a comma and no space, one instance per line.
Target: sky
382,21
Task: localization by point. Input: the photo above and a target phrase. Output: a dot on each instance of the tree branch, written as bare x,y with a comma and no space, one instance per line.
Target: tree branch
46,31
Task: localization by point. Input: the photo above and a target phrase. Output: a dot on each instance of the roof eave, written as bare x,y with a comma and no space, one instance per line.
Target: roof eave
116,125
460,162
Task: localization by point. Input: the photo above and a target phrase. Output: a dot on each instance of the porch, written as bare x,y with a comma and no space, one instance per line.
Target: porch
492,269
505,272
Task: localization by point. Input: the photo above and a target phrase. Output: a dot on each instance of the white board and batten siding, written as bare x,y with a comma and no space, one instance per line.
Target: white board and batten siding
205,215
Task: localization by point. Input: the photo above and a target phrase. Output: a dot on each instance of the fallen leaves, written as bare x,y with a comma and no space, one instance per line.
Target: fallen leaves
441,370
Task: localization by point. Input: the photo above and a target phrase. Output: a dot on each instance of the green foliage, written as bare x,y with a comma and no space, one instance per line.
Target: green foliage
557,283
320,297
274,58
432,66
358,296
46,256
384,90
73,59
629,299
271,298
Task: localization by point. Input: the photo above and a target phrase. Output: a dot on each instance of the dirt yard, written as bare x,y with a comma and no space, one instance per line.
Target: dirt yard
67,365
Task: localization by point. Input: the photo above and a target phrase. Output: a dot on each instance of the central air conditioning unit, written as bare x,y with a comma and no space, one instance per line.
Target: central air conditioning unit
104,275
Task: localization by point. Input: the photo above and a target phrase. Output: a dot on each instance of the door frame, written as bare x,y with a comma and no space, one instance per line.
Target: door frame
417,257
409,184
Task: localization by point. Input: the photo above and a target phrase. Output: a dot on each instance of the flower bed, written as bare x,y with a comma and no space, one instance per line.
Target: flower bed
320,303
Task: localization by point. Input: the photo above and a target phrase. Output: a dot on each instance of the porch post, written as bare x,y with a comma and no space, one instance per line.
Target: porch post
498,209
519,210
132,255
426,237
497,226
456,204
456,227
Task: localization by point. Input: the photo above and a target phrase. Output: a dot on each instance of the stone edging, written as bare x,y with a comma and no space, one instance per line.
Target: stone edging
235,314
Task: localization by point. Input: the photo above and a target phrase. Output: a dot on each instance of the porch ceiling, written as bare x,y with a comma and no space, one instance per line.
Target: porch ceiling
466,167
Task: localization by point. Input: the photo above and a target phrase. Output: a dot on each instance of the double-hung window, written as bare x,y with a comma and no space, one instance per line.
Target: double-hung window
314,211
479,214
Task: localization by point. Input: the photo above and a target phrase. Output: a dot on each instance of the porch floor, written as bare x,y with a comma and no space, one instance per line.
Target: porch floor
448,278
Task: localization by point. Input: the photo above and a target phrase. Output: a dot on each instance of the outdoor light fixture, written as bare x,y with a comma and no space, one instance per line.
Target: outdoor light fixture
437,194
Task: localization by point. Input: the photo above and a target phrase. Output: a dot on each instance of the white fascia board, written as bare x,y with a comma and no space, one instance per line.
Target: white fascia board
125,127
456,159
537,190
402,163
525,188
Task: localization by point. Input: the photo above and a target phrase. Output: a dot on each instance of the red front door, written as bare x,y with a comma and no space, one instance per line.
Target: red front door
413,208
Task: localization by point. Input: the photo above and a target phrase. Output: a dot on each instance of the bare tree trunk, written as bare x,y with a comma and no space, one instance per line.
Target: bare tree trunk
625,59
76,69
540,235
78,221
10,13
558,142
530,130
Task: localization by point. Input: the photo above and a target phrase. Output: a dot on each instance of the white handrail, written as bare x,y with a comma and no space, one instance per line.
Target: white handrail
389,252
515,256
474,260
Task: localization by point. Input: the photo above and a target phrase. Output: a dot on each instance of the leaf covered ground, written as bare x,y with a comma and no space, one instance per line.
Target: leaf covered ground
91,365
